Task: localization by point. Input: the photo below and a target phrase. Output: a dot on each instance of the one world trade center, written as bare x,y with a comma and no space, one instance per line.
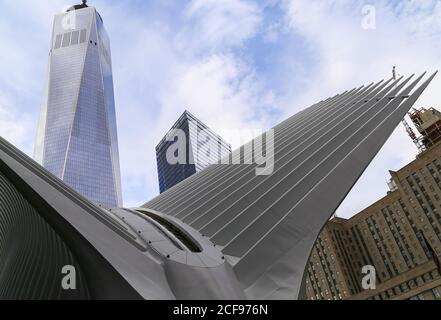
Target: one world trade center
77,134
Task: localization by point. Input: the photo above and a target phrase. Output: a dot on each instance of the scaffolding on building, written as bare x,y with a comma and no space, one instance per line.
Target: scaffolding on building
428,124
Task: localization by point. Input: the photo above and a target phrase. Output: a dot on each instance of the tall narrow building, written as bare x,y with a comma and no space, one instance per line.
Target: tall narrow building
77,135
202,148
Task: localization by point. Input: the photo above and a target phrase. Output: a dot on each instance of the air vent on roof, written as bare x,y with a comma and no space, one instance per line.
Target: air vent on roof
58,41
70,38
66,39
75,37
189,243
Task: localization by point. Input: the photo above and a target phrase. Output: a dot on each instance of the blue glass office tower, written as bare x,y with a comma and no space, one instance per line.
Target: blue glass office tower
77,136
203,147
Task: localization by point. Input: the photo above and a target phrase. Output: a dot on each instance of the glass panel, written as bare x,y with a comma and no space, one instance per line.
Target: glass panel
75,36
66,39
58,41
83,36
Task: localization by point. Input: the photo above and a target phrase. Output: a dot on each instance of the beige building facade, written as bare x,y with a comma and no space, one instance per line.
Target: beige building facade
397,235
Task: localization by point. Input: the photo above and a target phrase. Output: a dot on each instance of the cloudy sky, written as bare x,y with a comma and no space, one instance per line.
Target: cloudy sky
233,63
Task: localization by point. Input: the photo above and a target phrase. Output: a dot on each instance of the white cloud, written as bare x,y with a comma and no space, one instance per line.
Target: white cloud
14,127
222,90
23,57
407,36
164,69
197,58
271,33
218,25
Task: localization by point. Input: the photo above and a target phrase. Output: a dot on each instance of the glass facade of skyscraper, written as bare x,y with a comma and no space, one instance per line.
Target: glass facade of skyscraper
77,135
203,147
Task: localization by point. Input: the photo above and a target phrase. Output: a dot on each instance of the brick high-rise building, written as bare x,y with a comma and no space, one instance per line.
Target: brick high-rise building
398,235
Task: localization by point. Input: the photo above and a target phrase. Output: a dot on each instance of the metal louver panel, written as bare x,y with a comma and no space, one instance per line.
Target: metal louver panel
32,255
268,224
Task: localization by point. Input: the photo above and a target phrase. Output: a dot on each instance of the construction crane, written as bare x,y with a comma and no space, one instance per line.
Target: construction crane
409,130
